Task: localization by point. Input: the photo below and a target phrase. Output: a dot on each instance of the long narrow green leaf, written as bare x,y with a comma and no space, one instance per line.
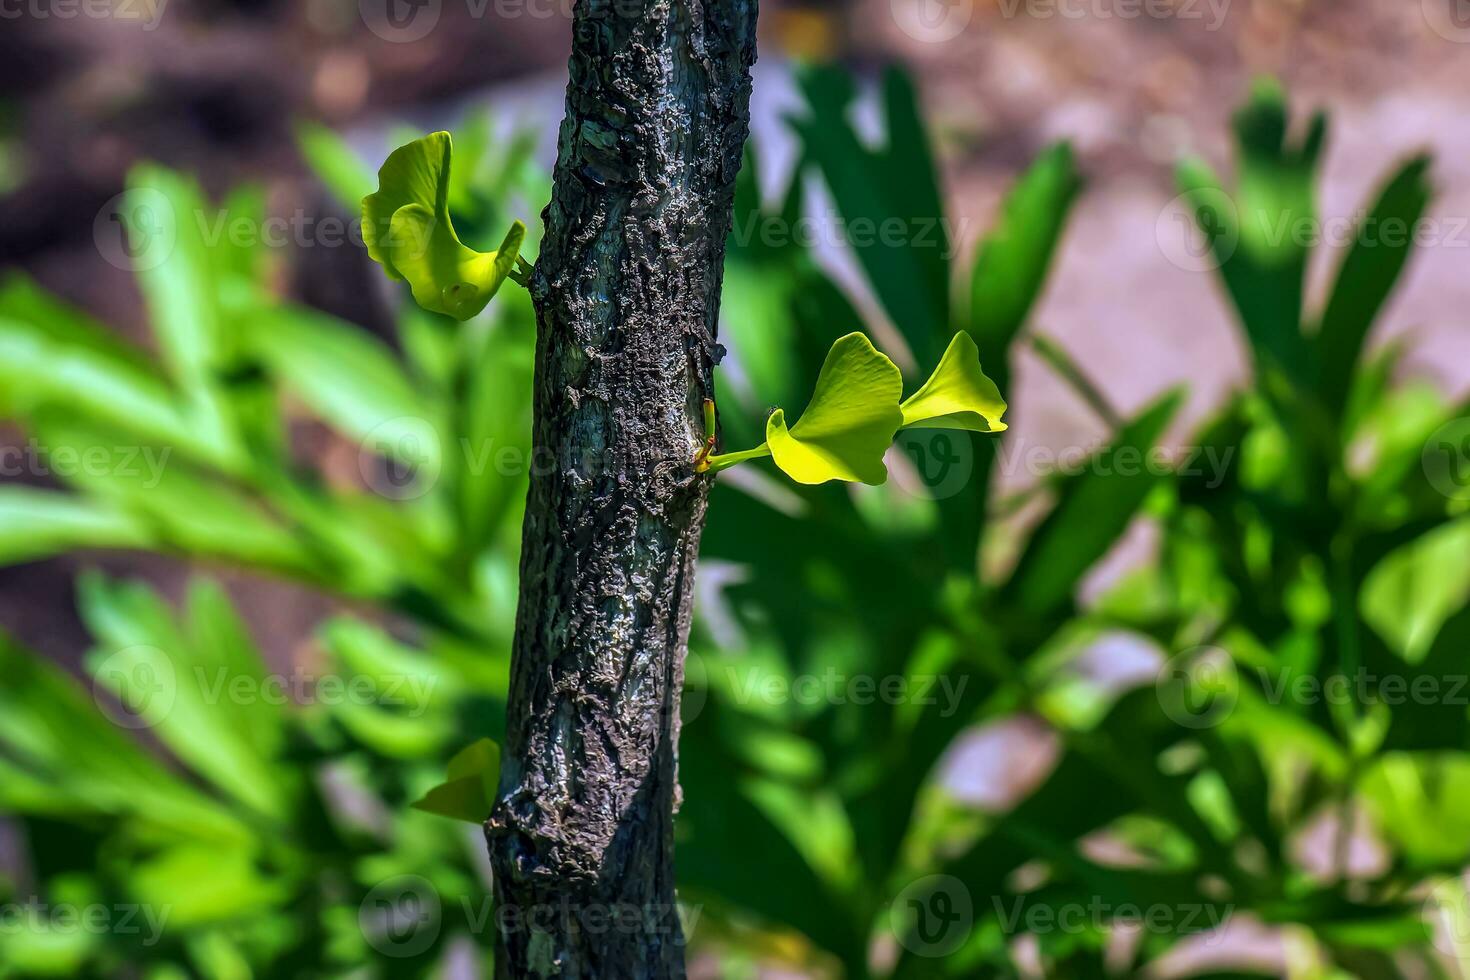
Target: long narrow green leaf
899,242
183,291
202,704
180,291
225,647
1257,234
38,371
720,821
1013,260
352,382
341,170
182,507
1411,593
1093,509
494,421
58,733
40,523
23,301
1367,276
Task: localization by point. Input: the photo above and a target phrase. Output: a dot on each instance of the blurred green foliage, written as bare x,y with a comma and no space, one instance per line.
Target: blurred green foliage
847,636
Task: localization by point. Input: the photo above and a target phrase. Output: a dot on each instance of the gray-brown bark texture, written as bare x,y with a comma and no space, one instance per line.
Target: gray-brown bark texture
627,295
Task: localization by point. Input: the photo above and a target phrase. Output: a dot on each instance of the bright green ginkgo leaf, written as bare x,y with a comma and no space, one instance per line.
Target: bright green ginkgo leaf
849,422
406,227
854,413
957,395
469,792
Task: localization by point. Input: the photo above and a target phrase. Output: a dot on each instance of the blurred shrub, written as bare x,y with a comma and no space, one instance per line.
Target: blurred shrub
267,835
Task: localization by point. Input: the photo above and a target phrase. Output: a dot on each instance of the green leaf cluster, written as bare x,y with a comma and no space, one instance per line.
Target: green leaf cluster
265,804
854,413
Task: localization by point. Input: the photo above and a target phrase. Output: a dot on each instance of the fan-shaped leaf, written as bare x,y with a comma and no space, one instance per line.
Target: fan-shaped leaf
849,422
406,228
957,395
470,791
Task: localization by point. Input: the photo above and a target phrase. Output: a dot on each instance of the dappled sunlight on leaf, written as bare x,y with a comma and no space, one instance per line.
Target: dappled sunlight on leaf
407,229
957,395
849,422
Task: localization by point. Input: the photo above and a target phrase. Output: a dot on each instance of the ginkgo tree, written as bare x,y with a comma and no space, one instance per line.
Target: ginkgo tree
856,408
626,289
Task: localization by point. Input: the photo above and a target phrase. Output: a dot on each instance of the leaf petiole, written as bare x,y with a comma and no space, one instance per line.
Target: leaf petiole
723,461
521,273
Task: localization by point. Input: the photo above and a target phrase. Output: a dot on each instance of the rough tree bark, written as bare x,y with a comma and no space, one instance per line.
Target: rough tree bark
627,295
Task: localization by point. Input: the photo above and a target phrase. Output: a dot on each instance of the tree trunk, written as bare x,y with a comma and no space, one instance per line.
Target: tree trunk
627,297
